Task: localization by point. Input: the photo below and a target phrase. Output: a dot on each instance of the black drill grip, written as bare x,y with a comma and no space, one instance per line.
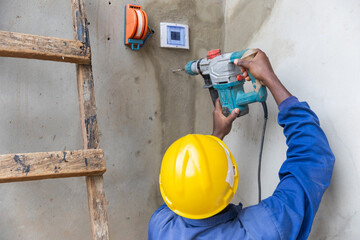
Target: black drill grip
214,94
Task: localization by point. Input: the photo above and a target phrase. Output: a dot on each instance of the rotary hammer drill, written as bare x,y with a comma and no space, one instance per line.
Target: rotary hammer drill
224,80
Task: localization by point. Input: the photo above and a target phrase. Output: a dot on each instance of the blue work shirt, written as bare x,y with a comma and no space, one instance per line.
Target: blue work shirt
289,212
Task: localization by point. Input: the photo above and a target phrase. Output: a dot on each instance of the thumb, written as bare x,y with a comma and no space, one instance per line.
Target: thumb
242,63
233,115
217,104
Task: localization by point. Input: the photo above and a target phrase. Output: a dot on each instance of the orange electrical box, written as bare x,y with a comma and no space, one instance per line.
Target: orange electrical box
136,26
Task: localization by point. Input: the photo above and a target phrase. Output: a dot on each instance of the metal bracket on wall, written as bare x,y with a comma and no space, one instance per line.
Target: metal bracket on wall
90,160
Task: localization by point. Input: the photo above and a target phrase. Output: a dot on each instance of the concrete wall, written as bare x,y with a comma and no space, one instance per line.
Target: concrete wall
143,107
314,48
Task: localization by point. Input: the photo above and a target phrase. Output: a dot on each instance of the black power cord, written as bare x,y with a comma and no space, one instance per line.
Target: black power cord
261,148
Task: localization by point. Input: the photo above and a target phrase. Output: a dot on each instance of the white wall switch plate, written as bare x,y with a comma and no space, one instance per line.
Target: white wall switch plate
174,35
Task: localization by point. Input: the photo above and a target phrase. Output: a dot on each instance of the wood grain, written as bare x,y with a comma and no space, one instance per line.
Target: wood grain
43,165
22,45
89,126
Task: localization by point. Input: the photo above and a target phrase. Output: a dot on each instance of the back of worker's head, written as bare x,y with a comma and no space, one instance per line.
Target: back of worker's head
198,176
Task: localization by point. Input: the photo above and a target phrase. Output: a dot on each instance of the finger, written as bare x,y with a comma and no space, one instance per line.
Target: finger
259,54
233,115
218,104
245,74
247,79
242,63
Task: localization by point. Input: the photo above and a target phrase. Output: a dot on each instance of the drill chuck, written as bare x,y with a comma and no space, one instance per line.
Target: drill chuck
191,68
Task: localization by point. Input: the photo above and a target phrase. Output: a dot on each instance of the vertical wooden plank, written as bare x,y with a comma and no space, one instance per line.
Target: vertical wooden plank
89,127
97,207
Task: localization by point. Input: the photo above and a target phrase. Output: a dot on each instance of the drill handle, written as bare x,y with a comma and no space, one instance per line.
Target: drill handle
259,94
249,55
213,92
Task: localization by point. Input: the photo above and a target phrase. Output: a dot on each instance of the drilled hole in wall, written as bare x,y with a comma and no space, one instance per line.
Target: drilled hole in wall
109,3
108,38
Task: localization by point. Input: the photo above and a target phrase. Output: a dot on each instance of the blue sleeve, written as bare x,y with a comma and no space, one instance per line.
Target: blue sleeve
161,217
306,173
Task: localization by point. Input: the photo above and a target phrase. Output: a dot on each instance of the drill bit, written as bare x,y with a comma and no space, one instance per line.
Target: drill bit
178,70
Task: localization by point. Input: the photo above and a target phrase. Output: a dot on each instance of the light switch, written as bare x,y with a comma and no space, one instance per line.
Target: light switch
174,35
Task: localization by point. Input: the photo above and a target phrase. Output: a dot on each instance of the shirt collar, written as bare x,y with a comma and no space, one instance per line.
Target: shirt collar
229,213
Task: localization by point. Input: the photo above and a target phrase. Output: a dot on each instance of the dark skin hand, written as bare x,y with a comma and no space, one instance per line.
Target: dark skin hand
261,69
221,124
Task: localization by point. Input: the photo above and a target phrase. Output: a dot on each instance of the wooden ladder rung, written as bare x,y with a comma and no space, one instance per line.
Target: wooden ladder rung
21,45
43,165
89,162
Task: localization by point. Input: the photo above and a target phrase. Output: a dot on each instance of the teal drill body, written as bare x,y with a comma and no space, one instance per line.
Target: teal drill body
224,80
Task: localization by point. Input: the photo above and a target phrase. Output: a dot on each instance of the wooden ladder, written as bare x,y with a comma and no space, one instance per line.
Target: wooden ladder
89,161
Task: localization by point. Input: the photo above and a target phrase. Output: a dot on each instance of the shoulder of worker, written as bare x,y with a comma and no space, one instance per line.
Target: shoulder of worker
233,223
161,216
258,222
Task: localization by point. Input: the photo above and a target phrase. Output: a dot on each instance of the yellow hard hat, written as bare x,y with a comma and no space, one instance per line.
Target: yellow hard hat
198,176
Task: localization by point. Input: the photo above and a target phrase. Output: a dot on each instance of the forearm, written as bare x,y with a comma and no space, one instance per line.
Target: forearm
279,92
218,135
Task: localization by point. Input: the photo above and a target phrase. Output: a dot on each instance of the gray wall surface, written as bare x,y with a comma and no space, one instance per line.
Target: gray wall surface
143,107
314,49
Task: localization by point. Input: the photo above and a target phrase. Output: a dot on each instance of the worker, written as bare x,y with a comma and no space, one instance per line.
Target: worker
199,176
